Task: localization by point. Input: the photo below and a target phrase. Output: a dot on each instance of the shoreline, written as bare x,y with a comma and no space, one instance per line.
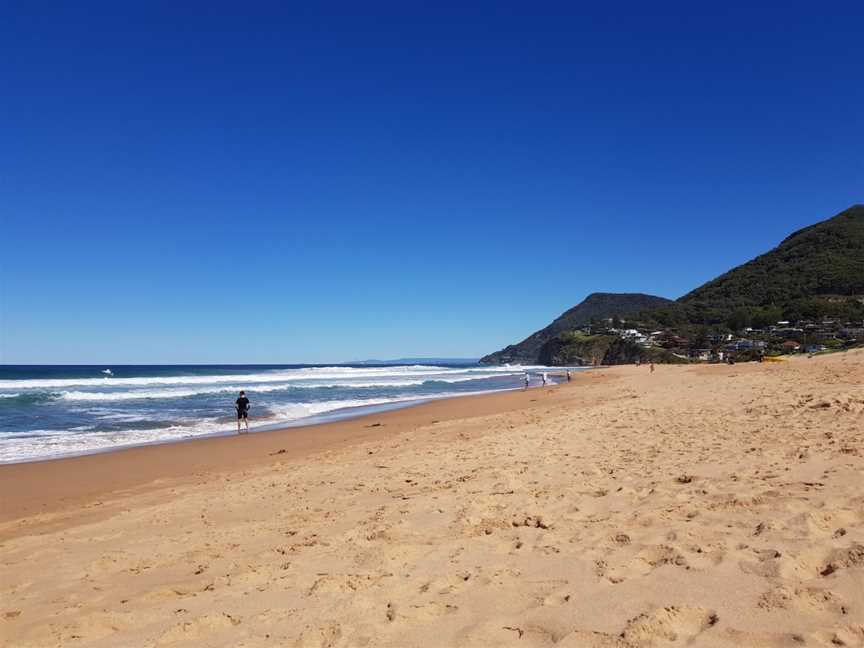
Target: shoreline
33,487
313,420
56,415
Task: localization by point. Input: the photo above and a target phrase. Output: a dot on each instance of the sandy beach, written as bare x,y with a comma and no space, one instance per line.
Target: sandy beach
699,505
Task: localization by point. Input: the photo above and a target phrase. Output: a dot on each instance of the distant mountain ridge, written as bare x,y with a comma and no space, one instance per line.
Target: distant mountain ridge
816,271
595,306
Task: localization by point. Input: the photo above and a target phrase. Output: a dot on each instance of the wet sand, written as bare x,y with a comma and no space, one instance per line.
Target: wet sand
57,484
704,505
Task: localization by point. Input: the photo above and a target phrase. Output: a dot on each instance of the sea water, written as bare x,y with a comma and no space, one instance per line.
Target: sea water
50,411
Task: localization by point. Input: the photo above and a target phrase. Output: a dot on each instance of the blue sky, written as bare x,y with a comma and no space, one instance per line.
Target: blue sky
304,182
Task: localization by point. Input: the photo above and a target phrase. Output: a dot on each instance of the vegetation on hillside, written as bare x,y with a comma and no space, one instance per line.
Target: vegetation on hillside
722,319
595,307
815,274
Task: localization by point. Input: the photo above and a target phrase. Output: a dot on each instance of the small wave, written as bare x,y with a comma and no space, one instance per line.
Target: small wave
26,398
164,394
296,411
133,417
161,394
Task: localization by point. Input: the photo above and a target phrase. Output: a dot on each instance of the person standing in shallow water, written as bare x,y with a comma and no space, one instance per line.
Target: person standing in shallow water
242,407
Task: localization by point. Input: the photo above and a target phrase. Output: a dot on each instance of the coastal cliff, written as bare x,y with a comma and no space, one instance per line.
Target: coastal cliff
572,348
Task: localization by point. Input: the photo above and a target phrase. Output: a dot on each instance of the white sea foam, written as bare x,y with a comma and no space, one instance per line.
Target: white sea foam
43,444
130,417
136,408
274,375
140,394
293,411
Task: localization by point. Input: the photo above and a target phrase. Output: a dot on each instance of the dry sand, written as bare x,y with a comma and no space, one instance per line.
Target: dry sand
703,506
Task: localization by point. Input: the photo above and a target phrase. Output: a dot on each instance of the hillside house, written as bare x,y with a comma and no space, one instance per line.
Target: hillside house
745,345
634,335
789,333
700,354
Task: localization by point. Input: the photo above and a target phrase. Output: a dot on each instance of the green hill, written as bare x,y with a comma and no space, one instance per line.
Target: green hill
823,261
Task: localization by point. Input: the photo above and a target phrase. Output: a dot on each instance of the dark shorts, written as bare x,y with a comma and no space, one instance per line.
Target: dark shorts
242,414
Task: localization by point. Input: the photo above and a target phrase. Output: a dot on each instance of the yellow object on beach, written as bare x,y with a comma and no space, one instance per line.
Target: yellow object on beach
773,359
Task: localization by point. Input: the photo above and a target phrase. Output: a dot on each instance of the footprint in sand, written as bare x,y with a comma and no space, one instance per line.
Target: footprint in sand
426,611
343,583
320,637
650,558
198,628
806,599
669,625
852,556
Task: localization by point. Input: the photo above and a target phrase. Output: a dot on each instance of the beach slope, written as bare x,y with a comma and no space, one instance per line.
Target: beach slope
698,505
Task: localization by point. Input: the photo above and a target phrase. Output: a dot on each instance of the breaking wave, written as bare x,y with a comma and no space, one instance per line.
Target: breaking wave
275,375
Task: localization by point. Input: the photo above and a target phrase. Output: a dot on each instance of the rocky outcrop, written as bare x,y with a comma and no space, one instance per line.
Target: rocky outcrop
575,349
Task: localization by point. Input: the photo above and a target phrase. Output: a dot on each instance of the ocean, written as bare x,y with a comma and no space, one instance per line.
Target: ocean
52,411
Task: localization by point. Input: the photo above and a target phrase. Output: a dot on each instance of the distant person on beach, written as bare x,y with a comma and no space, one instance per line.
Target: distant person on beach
242,406
527,380
543,378
569,377
652,367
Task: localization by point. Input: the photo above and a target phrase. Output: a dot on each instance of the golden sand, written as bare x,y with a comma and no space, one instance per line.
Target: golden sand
703,506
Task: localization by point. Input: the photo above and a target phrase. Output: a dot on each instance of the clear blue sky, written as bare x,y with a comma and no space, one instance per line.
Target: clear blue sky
316,182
